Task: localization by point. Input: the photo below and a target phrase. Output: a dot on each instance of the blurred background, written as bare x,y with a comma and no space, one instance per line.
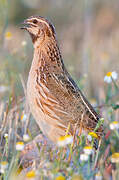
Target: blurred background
88,35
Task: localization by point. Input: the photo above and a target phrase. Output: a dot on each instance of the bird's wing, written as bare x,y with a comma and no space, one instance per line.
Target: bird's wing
62,100
75,103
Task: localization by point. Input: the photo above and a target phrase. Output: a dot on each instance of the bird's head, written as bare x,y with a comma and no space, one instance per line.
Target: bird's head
39,28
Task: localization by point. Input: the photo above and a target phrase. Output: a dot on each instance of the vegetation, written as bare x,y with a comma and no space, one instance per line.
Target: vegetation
90,47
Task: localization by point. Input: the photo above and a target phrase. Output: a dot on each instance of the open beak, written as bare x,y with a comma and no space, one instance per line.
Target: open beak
25,25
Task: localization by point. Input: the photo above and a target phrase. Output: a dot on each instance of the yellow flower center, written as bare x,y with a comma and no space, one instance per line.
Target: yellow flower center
115,122
8,35
109,74
61,138
93,134
4,163
88,147
98,175
20,143
30,174
22,116
115,155
68,136
60,178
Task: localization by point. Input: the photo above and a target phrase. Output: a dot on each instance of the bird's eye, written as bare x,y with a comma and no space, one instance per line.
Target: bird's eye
35,21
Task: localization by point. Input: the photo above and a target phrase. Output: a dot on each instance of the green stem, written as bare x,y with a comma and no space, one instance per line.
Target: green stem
115,84
117,134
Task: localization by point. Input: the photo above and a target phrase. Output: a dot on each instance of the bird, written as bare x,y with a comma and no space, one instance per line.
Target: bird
55,100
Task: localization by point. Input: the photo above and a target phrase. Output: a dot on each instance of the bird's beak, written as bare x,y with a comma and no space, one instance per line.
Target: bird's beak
25,25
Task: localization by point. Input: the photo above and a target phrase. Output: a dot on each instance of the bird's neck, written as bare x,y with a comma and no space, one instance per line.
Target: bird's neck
48,52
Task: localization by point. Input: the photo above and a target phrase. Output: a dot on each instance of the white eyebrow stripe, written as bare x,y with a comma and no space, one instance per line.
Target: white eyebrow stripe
41,21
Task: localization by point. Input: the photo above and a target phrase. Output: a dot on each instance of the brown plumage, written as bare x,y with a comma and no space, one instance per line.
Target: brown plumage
55,100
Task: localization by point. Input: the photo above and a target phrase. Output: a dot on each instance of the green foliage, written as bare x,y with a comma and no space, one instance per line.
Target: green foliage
51,162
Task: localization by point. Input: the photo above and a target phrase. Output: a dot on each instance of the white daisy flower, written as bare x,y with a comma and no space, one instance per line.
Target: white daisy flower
115,157
69,139
26,137
2,171
110,75
3,166
114,125
98,176
19,146
88,150
23,43
84,157
64,140
5,135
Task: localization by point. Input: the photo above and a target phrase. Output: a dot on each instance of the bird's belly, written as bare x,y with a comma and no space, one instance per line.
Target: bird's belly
44,121
34,109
